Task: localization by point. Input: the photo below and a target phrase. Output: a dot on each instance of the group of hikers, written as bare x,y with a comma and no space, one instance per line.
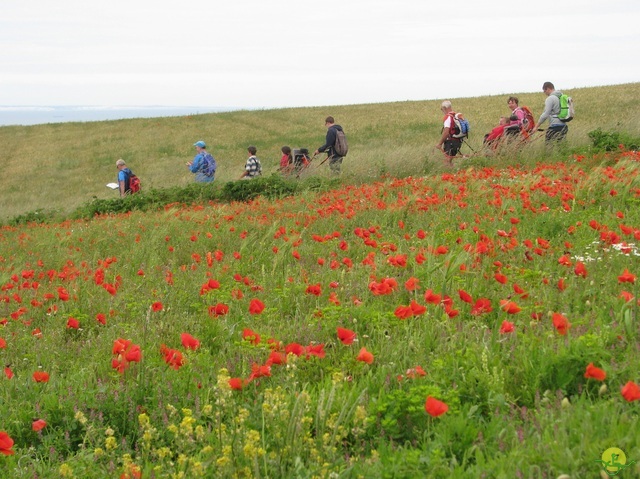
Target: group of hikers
518,127
292,163
520,124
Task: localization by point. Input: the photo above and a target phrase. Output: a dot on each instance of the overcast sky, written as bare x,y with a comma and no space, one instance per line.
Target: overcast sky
281,53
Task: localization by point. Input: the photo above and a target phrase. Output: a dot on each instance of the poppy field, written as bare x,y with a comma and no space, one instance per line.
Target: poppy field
476,323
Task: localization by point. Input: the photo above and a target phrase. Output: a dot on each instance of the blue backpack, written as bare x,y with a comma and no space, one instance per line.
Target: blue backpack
461,126
208,165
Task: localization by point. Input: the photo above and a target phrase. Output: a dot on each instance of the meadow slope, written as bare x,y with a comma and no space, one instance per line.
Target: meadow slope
61,166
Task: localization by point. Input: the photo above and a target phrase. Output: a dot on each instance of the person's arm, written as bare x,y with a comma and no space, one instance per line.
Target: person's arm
445,132
247,168
194,166
548,108
121,183
329,141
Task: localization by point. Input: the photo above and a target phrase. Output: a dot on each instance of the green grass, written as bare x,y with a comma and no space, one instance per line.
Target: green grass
495,229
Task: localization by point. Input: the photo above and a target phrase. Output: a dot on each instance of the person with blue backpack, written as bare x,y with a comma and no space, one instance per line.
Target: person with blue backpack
204,164
454,130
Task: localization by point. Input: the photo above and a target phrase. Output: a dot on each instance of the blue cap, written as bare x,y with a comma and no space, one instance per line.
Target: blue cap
200,144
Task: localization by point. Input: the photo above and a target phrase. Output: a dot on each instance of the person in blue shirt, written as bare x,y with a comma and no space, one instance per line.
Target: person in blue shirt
124,175
203,164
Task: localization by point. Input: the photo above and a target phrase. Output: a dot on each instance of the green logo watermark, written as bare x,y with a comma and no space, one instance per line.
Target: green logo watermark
614,461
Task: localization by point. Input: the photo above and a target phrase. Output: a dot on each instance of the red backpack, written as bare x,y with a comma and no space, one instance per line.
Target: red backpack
529,122
134,183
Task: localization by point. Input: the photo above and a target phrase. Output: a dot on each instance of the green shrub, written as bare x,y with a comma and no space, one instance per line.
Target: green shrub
611,141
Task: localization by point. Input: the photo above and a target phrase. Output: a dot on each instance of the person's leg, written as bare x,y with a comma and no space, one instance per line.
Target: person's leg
451,148
556,133
335,163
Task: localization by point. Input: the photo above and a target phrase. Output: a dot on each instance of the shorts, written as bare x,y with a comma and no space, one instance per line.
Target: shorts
452,147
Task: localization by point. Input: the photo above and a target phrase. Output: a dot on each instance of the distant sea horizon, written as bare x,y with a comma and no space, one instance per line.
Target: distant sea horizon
37,115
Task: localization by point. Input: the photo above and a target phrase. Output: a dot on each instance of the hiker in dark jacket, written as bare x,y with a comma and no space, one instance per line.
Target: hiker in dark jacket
335,161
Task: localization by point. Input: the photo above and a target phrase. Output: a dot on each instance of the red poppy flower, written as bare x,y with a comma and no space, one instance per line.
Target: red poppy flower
63,294
482,305
630,391
464,296
8,372
314,289
365,356
506,327
258,371
315,350
333,298
294,348
73,323
432,298
6,443
509,306
403,312
412,284
441,250
157,306
564,260
3,343
417,371
580,269
500,278
219,309
38,425
561,323
41,377
626,277
627,296
518,290
416,308
172,357
256,306
189,342
435,407
250,336
276,357
133,354
595,373
235,384
346,336
101,318
561,284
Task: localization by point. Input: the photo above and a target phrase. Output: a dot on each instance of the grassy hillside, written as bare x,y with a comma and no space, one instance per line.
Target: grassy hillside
60,166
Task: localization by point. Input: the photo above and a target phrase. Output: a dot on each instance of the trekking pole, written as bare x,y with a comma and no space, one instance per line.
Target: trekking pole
323,161
467,143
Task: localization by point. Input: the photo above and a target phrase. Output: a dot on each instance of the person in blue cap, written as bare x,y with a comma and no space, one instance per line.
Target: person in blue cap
203,164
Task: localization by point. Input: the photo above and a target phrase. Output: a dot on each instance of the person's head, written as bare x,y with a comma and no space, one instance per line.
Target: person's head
286,150
328,121
446,106
504,120
252,150
120,164
513,102
200,145
548,88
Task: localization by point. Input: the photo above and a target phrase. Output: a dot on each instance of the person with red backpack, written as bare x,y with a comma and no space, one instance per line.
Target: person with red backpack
128,183
522,119
450,141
